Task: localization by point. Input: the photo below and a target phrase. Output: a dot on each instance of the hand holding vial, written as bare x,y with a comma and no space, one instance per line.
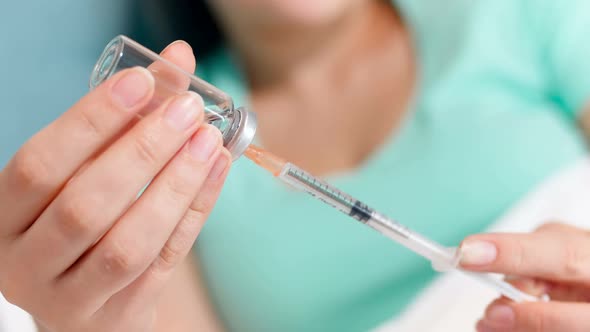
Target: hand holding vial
79,250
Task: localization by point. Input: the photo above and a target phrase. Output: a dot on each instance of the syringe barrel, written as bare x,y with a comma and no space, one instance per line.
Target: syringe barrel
237,126
442,258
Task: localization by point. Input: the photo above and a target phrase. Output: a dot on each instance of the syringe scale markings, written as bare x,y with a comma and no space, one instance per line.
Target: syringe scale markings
347,204
313,184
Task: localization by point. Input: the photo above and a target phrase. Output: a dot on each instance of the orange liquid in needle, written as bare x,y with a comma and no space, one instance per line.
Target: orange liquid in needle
265,159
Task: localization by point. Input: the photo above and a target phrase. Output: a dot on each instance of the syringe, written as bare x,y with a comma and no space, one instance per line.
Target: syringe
442,258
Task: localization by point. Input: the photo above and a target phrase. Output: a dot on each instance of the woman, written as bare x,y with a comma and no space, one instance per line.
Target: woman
441,114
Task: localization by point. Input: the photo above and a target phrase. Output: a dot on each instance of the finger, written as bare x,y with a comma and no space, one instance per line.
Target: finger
556,291
134,242
559,254
179,53
170,81
150,284
535,317
568,293
535,287
44,164
94,199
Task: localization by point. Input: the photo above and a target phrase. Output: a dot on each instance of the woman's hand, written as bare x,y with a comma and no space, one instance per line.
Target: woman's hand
78,250
554,260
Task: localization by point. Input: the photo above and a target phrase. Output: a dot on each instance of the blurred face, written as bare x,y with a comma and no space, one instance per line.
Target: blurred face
286,12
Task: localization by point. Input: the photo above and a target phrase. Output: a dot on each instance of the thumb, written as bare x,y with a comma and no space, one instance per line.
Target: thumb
536,317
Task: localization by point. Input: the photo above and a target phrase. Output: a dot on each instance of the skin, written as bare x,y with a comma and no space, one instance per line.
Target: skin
553,260
79,251
304,60
585,123
305,68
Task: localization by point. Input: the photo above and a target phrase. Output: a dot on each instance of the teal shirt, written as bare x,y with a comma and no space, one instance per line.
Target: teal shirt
500,86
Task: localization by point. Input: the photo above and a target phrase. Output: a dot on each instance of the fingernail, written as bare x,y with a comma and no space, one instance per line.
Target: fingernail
500,316
204,143
184,110
478,253
219,167
174,43
133,87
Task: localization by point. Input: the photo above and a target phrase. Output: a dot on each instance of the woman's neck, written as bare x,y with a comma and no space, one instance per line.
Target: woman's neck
358,68
276,55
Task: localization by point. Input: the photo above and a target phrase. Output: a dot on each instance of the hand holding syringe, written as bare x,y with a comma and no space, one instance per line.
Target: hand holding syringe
442,258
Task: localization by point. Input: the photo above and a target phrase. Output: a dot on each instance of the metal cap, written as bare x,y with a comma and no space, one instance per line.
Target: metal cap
242,132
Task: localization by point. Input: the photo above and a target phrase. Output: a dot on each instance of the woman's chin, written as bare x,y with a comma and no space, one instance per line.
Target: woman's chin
310,12
291,12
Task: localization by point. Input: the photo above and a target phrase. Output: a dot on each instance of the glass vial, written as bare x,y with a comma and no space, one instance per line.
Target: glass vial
237,125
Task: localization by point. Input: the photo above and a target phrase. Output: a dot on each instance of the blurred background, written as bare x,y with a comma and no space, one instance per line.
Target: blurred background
48,51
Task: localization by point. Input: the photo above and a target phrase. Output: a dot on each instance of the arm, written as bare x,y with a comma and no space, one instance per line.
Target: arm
585,122
560,31
184,305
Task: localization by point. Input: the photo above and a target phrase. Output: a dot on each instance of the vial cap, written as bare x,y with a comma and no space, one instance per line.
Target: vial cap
243,133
